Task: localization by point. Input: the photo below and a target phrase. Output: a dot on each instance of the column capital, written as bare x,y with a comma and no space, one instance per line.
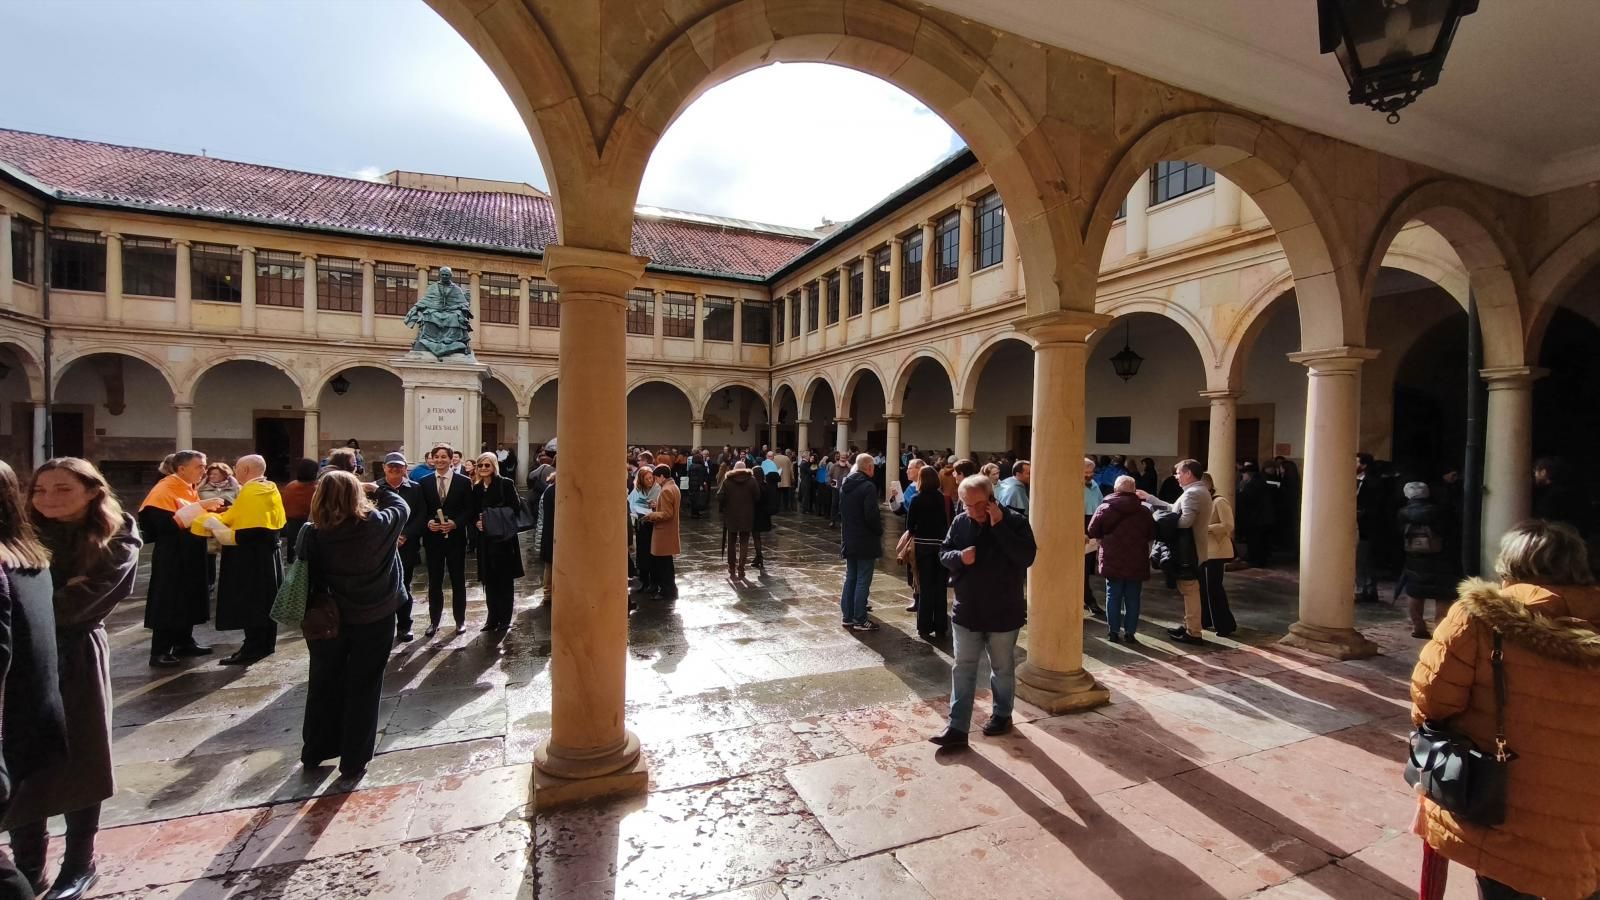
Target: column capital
524,279
659,292
700,296
366,263
243,250
968,203
579,270
958,413
1511,378
893,417
896,241
1334,359
182,242
802,421
1218,396
522,417
841,421
697,421
183,407
1066,326
111,235
312,257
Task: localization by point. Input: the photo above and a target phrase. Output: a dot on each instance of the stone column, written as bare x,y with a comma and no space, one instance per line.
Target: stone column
247,288
928,255
308,303
896,286
891,453
522,449
842,443
1136,227
1508,456
1328,505
700,326
802,435
1225,204
474,294
589,752
312,443
369,299
697,437
408,426
1053,678
183,284
113,276
965,257
1222,448
524,315
1011,265
822,311
772,433
7,265
41,449
963,433
185,412
658,326
738,330
844,305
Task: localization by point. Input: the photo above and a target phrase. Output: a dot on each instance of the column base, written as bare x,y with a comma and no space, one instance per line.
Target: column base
1059,692
1337,643
562,776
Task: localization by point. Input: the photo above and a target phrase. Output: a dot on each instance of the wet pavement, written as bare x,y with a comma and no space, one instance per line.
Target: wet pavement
788,759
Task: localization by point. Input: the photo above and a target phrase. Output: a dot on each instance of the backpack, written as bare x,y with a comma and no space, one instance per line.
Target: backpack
1422,540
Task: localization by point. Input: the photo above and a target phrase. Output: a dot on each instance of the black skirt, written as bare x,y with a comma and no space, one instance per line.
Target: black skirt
248,579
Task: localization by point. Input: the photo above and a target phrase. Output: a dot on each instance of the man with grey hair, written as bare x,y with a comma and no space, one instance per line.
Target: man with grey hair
988,552
251,561
1431,570
860,541
1194,516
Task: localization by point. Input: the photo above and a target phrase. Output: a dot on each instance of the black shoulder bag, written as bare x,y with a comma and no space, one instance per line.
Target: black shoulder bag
1463,780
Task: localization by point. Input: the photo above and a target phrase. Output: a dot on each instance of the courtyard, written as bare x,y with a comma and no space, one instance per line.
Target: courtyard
787,757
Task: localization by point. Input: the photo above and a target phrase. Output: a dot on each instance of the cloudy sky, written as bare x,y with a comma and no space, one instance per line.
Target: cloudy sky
359,87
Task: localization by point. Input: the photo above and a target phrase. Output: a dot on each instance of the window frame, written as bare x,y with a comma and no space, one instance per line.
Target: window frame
858,275
389,298
499,296
86,264
23,242
750,311
796,314
544,304
284,261
947,241
881,270
143,259
722,331
780,308
216,264
834,306
813,307
641,312
338,284
911,253
1164,173
989,227
677,315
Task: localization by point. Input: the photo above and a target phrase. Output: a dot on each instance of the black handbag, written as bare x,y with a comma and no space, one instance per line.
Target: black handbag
1463,780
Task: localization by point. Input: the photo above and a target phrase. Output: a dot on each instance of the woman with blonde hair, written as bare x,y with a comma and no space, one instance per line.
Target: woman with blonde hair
94,557
1540,622
1215,613
351,548
499,550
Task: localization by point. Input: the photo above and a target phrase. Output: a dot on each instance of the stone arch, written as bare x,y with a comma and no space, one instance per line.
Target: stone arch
204,368
967,395
902,378
1241,335
1188,321
853,380
539,383
331,372
705,404
65,363
518,390
1557,275
810,393
31,367
1449,275
1465,216
1250,153
694,399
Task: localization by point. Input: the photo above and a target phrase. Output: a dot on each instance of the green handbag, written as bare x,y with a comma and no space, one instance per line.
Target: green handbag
289,605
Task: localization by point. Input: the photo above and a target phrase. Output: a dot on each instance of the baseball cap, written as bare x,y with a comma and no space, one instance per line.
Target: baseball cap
398,459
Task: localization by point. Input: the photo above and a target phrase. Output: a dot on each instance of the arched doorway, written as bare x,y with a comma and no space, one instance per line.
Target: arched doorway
364,403
542,413
659,415
735,415
788,413
926,398
822,412
117,411
1002,400
245,406
867,408
1157,413
21,408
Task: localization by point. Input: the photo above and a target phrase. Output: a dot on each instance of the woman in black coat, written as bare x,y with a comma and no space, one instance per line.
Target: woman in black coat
764,512
547,535
499,557
1431,570
928,520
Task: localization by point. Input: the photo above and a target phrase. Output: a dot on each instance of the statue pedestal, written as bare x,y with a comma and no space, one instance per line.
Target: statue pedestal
444,403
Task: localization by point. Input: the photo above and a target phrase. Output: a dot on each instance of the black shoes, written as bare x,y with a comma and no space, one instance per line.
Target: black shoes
191,650
72,885
1421,634
1184,637
997,726
241,658
950,739
432,630
403,637
1114,638
165,660
864,625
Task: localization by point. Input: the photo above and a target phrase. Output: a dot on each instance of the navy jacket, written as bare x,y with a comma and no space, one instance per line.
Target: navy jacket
990,593
860,524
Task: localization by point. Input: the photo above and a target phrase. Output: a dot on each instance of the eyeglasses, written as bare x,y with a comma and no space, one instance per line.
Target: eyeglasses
485,466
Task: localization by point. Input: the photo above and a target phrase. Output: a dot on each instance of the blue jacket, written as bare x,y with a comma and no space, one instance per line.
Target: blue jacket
990,593
860,524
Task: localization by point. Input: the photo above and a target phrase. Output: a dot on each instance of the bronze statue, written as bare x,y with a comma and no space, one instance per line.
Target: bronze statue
443,318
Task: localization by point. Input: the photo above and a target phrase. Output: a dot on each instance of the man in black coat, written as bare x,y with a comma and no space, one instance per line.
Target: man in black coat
988,552
1369,527
1257,515
394,474
861,541
448,510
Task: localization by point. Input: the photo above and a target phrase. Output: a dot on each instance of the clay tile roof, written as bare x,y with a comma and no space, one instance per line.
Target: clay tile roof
91,172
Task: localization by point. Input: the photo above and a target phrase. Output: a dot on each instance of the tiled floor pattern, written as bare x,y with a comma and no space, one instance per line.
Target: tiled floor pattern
787,760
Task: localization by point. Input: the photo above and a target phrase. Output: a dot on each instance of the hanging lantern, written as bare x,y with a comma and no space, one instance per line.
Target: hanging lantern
1127,362
340,384
1390,50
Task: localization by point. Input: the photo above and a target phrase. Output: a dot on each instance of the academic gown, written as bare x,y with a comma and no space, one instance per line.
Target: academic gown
178,596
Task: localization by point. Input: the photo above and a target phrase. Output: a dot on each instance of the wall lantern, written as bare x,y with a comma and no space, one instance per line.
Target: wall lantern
1390,50
1127,362
340,384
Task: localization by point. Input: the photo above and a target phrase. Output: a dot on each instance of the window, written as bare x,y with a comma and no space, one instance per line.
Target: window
77,260
911,264
544,308
856,276
22,250
394,288
990,223
812,300
1176,178
641,312
947,240
1113,430
880,277
279,278
677,315
1122,211
149,267
215,271
719,319
782,319
794,314
757,323
498,296
833,296
338,284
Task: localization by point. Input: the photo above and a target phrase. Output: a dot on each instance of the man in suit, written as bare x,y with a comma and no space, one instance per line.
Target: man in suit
448,510
394,472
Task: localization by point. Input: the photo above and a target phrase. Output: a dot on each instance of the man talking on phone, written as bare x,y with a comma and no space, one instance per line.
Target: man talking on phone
988,552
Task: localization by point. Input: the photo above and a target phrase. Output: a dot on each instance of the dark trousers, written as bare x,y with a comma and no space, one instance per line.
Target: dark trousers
166,640
291,534
451,555
499,597
260,640
643,560
786,498
29,842
1090,561
410,558
738,549
1214,610
1489,889
342,694
666,575
933,607
1258,546
13,884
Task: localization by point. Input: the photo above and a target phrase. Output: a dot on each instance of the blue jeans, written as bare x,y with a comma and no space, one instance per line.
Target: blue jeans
857,581
1122,599
970,646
